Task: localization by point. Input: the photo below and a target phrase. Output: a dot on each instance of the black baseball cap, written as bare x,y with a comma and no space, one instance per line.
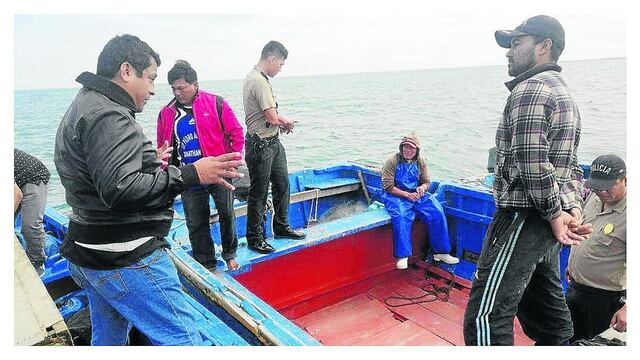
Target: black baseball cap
605,170
542,25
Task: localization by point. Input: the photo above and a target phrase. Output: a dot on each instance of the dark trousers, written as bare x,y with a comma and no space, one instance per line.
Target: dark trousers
592,309
196,210
267,162
518,274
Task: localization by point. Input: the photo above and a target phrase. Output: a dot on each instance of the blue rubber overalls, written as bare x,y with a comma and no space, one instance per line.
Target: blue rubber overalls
403,212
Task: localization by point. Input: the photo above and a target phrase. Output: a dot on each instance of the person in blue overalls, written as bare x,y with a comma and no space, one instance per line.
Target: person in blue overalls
405,178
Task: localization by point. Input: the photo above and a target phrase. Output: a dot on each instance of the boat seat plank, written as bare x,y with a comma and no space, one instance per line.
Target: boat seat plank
331,183
317,234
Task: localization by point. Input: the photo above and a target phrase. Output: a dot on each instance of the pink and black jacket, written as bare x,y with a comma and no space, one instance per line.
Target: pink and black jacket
216,136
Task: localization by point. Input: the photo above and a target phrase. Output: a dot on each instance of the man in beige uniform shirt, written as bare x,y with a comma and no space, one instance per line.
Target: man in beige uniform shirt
265,155
597,268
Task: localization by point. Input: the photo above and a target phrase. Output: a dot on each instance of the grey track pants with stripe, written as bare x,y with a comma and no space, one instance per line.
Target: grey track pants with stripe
518,274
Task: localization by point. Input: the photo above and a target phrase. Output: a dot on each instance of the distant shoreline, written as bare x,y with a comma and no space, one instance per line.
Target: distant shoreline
340,74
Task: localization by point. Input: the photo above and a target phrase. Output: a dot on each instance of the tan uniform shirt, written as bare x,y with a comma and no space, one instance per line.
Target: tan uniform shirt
389,172
257,96
601,260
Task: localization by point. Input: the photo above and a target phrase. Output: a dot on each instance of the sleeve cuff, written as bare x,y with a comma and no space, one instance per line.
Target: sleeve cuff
552,215
189,175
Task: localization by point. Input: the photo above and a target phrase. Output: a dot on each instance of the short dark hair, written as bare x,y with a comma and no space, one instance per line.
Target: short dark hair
125,48
555,49
182,70
274,48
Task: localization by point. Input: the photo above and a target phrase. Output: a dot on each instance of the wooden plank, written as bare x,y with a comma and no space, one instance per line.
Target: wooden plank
296,198
330,183
520,338
427,338
364,313
457,298
360,329
36,318
427,319
336,310
446,310
331,297
405,333
446,275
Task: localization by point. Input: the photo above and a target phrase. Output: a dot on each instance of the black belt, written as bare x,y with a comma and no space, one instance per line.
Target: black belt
264,141
589,289
271,139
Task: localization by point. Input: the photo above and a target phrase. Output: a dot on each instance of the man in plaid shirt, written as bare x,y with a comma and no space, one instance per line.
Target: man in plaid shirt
537,192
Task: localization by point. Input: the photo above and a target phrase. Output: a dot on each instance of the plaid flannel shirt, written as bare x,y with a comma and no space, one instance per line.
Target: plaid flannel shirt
537,143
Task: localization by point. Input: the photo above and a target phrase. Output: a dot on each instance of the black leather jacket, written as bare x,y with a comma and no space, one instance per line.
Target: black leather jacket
110,171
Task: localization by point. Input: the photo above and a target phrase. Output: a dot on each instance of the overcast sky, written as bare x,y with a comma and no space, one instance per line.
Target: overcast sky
51,50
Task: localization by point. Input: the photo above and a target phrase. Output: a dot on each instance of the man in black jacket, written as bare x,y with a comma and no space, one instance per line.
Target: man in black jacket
122,201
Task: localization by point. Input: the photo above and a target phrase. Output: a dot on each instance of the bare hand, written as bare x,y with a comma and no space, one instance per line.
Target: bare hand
164,152
285,130
287,126
232,264
412,196
577,214
580,229
568,231
421,190
214,169
619,320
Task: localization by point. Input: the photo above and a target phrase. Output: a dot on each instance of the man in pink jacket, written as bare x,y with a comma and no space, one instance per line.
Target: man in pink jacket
193,125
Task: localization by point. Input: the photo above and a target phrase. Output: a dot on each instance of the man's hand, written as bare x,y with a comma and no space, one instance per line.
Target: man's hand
214,169
619,320
164,152
422,189
411,196
568,231
576,213
287,125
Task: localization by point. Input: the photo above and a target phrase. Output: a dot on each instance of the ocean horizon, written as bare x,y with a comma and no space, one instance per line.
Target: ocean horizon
285,76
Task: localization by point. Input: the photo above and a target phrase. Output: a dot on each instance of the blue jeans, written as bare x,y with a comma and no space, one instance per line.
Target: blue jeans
146,294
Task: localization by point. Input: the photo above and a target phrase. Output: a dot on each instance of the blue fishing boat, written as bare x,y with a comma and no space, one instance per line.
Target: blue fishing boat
338,286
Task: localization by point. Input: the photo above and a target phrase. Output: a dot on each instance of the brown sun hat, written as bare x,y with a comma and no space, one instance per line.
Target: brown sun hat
411,139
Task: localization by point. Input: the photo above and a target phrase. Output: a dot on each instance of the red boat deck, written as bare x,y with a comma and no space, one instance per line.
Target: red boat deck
365,319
